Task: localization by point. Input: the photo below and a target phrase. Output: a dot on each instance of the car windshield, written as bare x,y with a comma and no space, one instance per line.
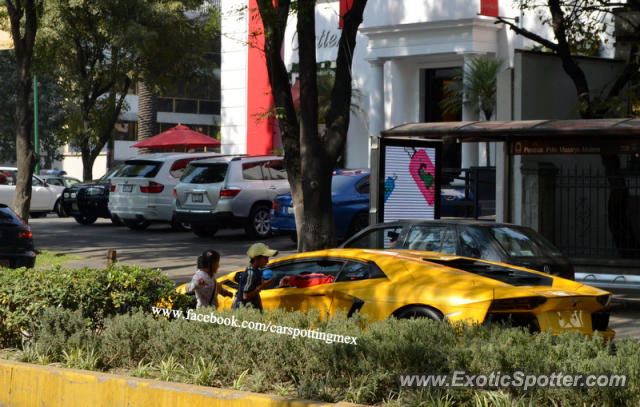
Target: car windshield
112,173
140,169
204,173
520,242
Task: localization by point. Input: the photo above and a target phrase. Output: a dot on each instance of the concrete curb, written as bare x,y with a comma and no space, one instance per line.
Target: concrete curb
27,385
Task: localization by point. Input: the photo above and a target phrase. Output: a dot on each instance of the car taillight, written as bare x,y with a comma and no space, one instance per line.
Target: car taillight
112,188
25,234
275,206
229,193
526,303
152,188
175,193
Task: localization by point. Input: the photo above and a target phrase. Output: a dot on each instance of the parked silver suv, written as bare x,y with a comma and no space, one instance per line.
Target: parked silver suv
142,190
231,191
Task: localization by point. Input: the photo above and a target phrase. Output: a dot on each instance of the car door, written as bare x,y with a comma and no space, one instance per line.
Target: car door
358,288
301,299
7,186
276,180
41,196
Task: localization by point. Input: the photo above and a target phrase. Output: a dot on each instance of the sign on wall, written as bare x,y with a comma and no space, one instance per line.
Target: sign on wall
489,8
411,186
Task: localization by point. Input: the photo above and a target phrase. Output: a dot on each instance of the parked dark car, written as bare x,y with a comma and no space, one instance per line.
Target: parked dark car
16,243
350,199
89,201
499,242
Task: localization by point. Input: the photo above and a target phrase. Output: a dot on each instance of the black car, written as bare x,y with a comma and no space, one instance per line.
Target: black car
89,201
16,244
499,242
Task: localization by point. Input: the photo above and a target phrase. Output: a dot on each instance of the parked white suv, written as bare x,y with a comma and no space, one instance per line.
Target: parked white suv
45,198
142,190
230,191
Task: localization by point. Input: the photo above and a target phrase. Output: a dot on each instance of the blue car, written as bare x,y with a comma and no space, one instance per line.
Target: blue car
350,197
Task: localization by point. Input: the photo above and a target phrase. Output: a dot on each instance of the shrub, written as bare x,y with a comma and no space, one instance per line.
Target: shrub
25,293
225,356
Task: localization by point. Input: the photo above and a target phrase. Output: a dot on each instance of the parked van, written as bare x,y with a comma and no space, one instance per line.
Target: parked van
142,190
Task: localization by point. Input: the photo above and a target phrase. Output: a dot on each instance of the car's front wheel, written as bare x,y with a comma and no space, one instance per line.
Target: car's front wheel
418,311
85,220
259,222
136,224
58,208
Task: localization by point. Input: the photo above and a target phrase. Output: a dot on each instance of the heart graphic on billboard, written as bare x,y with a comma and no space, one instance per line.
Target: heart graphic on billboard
424,174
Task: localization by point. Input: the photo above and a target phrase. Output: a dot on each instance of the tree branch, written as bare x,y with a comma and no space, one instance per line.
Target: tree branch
528,34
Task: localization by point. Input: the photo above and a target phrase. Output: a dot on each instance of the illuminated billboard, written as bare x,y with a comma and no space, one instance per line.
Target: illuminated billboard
410,185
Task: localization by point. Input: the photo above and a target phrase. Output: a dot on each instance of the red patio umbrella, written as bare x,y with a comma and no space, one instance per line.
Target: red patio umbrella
178,136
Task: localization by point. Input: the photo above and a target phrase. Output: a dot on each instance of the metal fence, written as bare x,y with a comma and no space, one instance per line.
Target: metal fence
475,198
596,215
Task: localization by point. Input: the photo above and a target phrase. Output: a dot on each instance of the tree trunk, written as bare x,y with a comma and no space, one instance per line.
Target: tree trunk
310,158
147,115
90,154
23,40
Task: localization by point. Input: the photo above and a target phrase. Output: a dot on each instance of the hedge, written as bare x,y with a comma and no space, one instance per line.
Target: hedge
102,320
230,357
25,293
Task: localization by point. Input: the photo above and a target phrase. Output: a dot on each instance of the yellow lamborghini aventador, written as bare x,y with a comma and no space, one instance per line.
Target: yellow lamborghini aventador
404,284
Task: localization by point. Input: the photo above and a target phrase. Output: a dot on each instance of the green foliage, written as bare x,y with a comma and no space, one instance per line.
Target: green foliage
587,22
225,356
50,117
47,258
475,86
102,48
583,28
26,293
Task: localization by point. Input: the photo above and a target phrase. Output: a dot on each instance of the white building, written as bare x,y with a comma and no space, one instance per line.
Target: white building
405,51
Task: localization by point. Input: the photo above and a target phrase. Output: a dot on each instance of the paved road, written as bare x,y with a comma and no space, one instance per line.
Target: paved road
176,252
158,246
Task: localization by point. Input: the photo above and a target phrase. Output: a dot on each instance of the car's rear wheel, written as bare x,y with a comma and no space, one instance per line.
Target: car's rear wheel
204,231
85,220
359,222
418,311
259,222
58,208
136,224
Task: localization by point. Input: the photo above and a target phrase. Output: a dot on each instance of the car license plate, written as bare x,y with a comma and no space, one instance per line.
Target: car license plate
74,206
127,188
4,263
290,210
196,198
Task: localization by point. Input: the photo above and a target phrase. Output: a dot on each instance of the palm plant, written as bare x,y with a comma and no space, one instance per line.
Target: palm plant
475,85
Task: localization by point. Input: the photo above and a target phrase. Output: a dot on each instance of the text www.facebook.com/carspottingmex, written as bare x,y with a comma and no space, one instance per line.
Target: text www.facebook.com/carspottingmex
212,318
